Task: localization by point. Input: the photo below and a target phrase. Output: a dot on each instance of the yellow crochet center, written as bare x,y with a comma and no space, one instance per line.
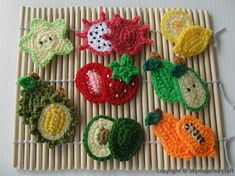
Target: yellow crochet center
173,23
192,41
54,121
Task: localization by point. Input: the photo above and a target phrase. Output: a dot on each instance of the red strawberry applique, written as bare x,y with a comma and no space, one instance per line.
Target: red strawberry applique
116,85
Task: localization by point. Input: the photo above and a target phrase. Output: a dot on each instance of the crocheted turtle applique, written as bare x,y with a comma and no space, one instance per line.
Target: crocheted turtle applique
190,40
51,117
106,138
177,83
116,84
45,40
182,138
93,36
127,36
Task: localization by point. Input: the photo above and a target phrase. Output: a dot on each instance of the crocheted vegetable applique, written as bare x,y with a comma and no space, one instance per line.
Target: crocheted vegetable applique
116,84
189,39
173,23
177,83
192,41
182,138
45,40
106,138
127,36
51,117
93,36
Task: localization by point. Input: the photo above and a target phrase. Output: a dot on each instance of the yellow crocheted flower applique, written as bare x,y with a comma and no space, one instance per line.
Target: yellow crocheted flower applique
192,41
45,40
173,23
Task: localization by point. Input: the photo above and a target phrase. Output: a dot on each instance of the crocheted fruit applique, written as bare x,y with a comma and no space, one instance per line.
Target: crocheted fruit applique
182,138
176,82
51,117
106,138
93,36
45,40
127,36
115,84
192,41
173,23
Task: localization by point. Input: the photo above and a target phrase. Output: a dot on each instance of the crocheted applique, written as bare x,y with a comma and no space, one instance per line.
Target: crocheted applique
93,36
106,138
116,84
51,117
176,82
125,138
45,40
182,138
192,41
127,36
173,23
95,138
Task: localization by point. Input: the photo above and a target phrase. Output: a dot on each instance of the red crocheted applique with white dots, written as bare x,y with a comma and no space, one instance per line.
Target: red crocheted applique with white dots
96,84
127,36
92,36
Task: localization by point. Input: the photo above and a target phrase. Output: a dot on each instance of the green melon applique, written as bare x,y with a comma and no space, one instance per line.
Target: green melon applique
51,117
177,83
106,138
45,40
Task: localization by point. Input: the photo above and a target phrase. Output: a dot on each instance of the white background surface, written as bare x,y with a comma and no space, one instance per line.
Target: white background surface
223,12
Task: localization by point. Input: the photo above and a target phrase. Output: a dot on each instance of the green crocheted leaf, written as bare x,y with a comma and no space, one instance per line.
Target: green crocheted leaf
31,104
123,70
45,40
191,90
125,138
152,64
26,82
152,118
178,70
95,138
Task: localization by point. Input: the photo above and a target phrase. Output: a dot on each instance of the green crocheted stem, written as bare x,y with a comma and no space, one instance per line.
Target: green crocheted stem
26,82
152,118
30,107
125,138
85,139
152,64
123,70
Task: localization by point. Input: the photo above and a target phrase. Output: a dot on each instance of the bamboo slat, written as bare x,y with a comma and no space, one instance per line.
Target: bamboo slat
29,155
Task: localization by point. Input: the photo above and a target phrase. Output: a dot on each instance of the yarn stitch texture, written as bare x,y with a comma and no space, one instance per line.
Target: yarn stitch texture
35,101
192,41
120,139
177,83
127,36
182,138
173,23
45,40
115,85
93,36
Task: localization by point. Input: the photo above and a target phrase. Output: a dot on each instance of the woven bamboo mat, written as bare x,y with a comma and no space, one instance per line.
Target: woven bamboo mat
30,155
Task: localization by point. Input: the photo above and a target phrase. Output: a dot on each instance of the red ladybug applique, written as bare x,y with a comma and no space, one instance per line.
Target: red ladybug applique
116,85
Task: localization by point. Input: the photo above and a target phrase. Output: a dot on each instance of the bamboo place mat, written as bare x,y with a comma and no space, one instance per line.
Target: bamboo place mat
34,156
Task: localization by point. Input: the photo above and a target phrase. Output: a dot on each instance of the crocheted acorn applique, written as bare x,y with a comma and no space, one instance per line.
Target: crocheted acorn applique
116,84
173,23
177,83
182,138
45,40
93,36
51,117
106,138
127,36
